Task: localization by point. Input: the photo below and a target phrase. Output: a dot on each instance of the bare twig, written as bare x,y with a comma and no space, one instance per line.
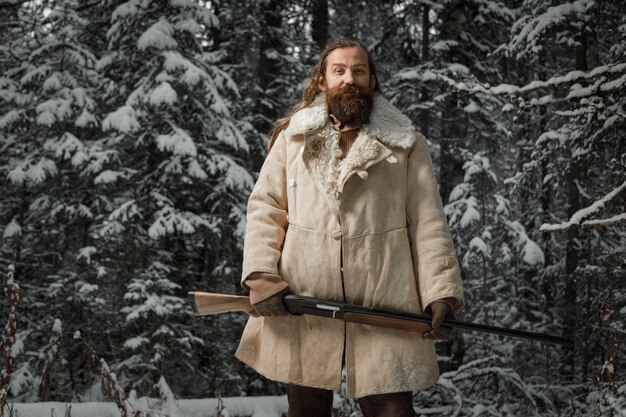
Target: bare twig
12,291
52,357
112,388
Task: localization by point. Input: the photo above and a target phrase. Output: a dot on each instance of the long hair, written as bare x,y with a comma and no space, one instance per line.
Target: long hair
312,89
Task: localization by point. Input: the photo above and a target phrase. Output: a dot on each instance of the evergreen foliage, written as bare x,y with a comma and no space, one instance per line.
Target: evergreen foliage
131,133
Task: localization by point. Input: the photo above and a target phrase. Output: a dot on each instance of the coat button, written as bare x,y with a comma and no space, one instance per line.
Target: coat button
337,234
362,174
292,182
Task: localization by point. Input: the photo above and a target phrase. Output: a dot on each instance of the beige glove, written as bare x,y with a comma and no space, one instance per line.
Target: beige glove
266,294
440,310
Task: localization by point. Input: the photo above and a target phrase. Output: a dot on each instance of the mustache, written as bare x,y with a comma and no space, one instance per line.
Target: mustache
351,89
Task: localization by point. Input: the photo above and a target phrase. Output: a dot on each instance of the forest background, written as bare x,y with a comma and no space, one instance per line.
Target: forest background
131,134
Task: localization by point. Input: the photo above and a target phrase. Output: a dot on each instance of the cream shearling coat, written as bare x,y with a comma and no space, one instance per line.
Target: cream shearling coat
378,213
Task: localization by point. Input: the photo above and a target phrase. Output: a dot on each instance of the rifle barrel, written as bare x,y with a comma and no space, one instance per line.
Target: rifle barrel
334,309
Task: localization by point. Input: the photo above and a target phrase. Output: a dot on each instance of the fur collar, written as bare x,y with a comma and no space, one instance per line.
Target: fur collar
322,157
387,123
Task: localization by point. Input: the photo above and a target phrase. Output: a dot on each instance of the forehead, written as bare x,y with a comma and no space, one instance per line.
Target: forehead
347,56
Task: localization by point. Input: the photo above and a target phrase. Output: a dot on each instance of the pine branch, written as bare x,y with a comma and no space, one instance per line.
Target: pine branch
579,218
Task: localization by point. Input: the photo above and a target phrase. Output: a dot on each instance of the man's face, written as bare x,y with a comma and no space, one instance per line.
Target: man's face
348,85
346,66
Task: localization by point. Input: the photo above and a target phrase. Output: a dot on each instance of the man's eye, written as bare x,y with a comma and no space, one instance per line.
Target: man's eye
338,71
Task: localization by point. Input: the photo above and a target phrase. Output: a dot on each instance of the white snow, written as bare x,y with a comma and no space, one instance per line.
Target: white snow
169,221
443,45
10,117
40,171
127,9
195,170
579,218
57,326
163,94
532,253
67,145
52,83
107,176
85,253
87,288
460,190
472,107
135,342
46,119
123,120
471,213
12,229
531,34
86,119
479,245
158,36
178,143
126,212
235,406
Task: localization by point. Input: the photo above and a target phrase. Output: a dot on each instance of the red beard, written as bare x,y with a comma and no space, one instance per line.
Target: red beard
351,105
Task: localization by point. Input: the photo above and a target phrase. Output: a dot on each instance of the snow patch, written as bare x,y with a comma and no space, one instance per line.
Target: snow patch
158,36
12,229
163,94
123,120
178,143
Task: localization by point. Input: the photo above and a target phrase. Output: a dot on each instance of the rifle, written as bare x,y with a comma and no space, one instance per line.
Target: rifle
205,303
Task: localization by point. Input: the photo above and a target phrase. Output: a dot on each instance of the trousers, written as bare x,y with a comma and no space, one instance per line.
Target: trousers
317,402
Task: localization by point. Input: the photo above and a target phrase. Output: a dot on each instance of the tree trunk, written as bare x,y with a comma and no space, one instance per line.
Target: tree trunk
269,65
319,25
8,25
425,93
573,235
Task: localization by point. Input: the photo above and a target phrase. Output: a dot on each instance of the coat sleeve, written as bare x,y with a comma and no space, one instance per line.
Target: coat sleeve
266,220
434,259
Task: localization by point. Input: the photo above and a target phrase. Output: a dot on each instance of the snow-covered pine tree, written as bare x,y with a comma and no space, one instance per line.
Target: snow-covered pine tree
47,137
497,254
574,169
172,196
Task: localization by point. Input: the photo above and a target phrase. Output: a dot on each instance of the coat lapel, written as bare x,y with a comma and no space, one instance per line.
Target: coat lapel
387,127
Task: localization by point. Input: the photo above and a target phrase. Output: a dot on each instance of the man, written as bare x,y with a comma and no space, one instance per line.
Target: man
346,208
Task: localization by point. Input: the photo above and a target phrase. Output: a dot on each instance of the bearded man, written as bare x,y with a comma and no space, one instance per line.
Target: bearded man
346,208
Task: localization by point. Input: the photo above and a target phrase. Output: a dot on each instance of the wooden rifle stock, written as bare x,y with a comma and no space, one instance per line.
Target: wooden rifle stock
204,303
207,303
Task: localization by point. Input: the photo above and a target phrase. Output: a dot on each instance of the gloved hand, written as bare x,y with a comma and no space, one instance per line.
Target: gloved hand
440,310
272,306
266,294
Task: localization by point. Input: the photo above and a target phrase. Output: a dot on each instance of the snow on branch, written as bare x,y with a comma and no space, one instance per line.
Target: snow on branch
571,77
531,32
578,219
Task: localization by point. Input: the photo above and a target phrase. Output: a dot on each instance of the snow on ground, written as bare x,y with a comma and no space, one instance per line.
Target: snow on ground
235,406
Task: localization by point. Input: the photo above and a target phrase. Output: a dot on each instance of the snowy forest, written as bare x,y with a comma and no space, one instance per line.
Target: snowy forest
132,132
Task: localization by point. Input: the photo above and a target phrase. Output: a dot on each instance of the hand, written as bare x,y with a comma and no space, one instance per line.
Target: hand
266,294
272,306
440,310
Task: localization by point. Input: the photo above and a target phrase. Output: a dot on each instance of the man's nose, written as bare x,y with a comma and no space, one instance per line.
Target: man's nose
348,78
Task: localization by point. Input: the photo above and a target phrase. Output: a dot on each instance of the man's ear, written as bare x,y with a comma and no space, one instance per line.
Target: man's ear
372,82
321,83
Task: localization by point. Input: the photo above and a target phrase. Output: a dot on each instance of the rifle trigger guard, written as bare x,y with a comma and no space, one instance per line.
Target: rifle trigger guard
334,309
